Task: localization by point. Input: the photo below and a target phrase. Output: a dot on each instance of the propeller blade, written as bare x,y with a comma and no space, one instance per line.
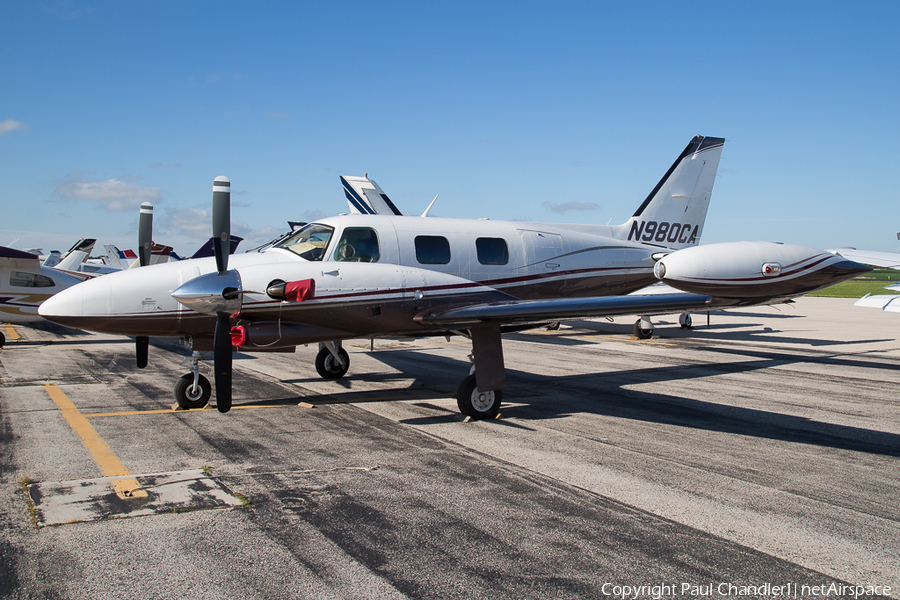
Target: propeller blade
142,350
221,221
145,233
222,362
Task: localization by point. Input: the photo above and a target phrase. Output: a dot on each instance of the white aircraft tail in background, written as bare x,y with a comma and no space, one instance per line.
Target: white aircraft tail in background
365,197
76,255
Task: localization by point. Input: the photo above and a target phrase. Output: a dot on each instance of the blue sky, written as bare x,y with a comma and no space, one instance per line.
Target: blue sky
508,110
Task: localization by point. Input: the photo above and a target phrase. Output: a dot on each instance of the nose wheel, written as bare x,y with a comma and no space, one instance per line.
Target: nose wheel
193,390
191,395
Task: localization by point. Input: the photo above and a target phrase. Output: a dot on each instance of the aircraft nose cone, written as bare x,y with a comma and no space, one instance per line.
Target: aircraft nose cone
67,306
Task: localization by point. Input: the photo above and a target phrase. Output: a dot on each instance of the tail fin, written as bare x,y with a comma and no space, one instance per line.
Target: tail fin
365,197
76,255
52,259
112,256
673,214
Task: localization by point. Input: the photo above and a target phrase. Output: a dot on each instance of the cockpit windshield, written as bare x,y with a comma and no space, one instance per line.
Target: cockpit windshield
309,242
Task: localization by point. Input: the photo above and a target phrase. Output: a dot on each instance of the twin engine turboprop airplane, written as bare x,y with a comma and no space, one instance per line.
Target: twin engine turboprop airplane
387,275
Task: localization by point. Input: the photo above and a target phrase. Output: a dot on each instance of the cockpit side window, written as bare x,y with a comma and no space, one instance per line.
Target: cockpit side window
34,280
358,244
309,242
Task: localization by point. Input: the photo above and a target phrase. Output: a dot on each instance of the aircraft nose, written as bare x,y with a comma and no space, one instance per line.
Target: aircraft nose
63,306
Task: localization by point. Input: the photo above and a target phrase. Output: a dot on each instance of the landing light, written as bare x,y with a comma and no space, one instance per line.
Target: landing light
771,269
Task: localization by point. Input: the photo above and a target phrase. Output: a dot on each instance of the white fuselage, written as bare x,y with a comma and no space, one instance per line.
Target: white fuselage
24,285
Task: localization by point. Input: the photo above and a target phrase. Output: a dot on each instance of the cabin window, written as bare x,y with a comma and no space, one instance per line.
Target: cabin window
492,251
309,242
358,244
432,250
34,280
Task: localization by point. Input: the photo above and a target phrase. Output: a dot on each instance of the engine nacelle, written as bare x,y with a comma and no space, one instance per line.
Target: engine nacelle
275,336
754,270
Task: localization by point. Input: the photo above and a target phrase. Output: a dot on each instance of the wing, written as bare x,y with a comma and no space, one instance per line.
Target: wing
887,260
26,258
521,311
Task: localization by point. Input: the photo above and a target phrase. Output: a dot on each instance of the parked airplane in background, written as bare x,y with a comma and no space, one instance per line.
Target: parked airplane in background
364,275
24,284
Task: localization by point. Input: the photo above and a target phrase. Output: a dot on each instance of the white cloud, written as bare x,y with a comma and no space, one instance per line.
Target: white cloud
10,125
196,224
567,206
112,194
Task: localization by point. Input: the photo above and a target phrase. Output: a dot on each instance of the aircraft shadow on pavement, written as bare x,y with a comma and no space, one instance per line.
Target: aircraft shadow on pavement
539,397
736,332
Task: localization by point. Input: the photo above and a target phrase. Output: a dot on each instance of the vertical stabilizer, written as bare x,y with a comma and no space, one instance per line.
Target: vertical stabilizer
365,197
76,255
673,214
112,256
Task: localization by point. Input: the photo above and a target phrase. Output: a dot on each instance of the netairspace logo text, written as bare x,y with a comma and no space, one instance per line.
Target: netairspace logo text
731,590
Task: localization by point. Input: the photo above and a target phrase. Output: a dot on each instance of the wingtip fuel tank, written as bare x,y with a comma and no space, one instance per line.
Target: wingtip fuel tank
746,271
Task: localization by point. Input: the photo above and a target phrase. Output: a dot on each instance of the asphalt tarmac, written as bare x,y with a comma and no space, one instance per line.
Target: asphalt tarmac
756,457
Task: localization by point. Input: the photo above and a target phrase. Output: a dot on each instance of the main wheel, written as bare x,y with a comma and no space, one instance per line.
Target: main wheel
684,319
641,333
329,367
187,397
475,404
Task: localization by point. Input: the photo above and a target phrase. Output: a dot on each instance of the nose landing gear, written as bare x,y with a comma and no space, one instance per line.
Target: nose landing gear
193,390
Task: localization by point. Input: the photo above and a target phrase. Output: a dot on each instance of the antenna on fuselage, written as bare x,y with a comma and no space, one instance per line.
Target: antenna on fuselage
428,210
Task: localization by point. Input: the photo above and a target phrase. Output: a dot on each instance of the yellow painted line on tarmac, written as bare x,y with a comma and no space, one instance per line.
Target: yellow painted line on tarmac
110,465
11,333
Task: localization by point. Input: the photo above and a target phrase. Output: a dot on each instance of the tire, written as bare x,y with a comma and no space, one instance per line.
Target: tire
685,321
2,339
185,398
475,404
640,333
328,367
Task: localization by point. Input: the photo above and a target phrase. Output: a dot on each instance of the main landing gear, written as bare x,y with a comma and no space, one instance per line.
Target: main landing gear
643,329
332,361
475,404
